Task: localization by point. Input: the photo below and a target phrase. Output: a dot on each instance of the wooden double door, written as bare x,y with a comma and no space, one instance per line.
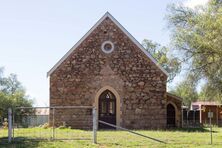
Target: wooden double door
107,109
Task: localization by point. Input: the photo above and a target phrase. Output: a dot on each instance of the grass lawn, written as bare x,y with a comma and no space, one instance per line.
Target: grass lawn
173,138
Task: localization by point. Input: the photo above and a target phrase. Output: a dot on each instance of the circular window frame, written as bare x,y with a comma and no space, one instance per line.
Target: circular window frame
103,47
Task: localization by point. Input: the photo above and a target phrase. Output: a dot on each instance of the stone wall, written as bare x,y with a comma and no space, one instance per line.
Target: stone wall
139,82
72,117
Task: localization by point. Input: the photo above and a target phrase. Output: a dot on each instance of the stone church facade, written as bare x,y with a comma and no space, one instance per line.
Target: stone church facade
110,70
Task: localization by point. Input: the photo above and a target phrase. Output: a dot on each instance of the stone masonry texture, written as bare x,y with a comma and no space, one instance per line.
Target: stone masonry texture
139,82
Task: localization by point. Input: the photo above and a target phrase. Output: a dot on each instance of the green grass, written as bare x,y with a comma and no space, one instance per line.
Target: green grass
173,138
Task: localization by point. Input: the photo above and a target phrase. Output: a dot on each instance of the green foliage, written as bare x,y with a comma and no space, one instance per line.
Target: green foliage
197,36
210,94
187,90
161,54
12,94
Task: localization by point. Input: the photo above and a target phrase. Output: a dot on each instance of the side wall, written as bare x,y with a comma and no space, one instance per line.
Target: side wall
217,114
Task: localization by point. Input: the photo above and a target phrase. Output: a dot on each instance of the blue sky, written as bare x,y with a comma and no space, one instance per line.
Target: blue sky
34,35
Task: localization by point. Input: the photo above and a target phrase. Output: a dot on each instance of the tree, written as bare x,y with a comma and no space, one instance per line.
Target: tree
197,36
208,93
12,94
161,54
187,90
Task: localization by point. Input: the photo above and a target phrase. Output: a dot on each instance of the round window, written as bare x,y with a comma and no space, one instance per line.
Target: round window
107,47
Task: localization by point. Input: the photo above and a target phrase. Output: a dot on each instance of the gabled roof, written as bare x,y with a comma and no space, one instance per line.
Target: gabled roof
174,96
107,14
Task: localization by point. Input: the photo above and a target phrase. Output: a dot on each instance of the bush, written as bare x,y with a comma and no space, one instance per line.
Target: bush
62,127
5,123
45,125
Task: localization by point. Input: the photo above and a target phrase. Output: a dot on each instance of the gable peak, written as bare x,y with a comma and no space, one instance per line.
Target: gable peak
107,14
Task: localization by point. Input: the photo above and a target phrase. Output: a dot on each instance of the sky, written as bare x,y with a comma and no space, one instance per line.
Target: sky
34,35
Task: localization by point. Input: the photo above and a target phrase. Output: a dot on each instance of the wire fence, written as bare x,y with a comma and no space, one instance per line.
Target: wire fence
3,128
54,123
80,123
3,131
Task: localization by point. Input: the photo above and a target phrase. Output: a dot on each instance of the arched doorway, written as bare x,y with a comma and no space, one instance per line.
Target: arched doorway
107,108
171,115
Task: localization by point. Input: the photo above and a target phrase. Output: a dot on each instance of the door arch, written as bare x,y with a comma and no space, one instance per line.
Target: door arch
171,115
107,108
118,102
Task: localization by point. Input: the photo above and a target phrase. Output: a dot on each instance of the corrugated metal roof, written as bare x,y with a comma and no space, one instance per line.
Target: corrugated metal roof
41,111
205,103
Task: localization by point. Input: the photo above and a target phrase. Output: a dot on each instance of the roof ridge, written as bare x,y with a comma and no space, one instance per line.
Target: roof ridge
107,14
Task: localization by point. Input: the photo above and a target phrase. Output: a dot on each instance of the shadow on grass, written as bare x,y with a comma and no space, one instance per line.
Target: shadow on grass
20,142
24,142
3,140
195,129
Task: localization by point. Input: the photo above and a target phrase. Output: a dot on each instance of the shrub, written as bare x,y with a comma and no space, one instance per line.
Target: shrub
45,125
5,123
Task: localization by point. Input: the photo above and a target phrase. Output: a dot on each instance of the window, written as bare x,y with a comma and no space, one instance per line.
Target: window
107,47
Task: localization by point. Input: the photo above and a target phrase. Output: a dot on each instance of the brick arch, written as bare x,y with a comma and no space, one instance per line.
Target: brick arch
118,102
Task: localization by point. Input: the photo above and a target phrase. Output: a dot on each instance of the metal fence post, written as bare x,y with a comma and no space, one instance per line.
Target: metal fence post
13,122
182,117
9,125
211,139
53,124
94,125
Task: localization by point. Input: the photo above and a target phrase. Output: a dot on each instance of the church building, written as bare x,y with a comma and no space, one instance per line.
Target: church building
110,70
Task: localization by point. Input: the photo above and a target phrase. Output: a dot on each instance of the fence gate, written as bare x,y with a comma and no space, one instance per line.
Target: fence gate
53,123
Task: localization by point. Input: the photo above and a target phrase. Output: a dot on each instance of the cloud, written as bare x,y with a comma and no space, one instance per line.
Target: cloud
193,3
